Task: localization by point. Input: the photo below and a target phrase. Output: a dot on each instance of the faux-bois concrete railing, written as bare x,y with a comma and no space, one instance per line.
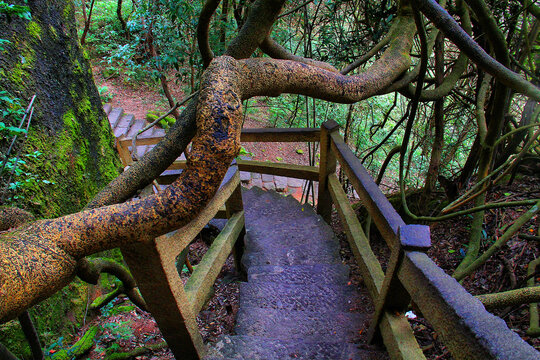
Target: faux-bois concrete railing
464,325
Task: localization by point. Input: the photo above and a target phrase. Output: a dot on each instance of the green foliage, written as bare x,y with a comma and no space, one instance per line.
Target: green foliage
23,179
168,26
2,43
243,152
11,108
164,123
117,330
10,10
104,94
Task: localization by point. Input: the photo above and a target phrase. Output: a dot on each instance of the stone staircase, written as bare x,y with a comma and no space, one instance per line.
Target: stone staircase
296,303
126,125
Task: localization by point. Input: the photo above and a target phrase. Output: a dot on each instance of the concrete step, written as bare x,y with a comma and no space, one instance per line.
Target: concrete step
242,347
141,150
300,255
158,132
107,108
261,239
337,274
114,117
123,125
137,125
314,298
305,325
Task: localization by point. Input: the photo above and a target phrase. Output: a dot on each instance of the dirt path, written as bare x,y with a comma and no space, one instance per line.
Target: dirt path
140,99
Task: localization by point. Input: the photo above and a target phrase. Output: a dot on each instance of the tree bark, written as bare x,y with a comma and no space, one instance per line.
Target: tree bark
438,122
68,125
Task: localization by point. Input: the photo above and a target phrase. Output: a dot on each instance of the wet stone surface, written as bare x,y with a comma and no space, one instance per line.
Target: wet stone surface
300,274
243,347
298,302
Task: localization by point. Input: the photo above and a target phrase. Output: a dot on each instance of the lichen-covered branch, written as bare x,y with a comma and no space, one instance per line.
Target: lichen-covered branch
515,297
272,77
262,16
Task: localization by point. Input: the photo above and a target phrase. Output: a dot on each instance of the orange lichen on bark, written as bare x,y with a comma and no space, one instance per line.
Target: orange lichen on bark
41,258
272,77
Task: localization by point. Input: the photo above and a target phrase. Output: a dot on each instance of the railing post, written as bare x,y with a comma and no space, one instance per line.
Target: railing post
327,166
153,265
233,205
123,152
393,296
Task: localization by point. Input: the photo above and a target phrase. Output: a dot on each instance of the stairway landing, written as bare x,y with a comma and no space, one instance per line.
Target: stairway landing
297,303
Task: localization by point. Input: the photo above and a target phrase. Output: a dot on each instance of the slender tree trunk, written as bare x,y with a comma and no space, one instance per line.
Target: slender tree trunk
83,9
224,22
438,120
121,18
346,136
87,23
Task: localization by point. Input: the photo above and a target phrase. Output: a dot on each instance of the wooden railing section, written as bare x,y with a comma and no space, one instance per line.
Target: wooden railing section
466,328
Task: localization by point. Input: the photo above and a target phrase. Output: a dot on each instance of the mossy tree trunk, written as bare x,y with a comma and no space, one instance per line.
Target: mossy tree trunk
70,129
43,57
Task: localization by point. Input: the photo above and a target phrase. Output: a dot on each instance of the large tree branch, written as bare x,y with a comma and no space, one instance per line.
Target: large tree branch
511,298
446,23
273,77
257,27
276,51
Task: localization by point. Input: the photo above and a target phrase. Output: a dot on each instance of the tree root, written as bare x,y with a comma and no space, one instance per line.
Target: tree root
78,349
138,351
515,297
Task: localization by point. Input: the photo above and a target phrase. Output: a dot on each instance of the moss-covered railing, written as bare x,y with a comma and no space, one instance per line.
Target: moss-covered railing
464,325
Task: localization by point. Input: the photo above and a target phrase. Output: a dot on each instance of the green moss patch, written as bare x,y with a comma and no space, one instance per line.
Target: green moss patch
34,30
164,123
